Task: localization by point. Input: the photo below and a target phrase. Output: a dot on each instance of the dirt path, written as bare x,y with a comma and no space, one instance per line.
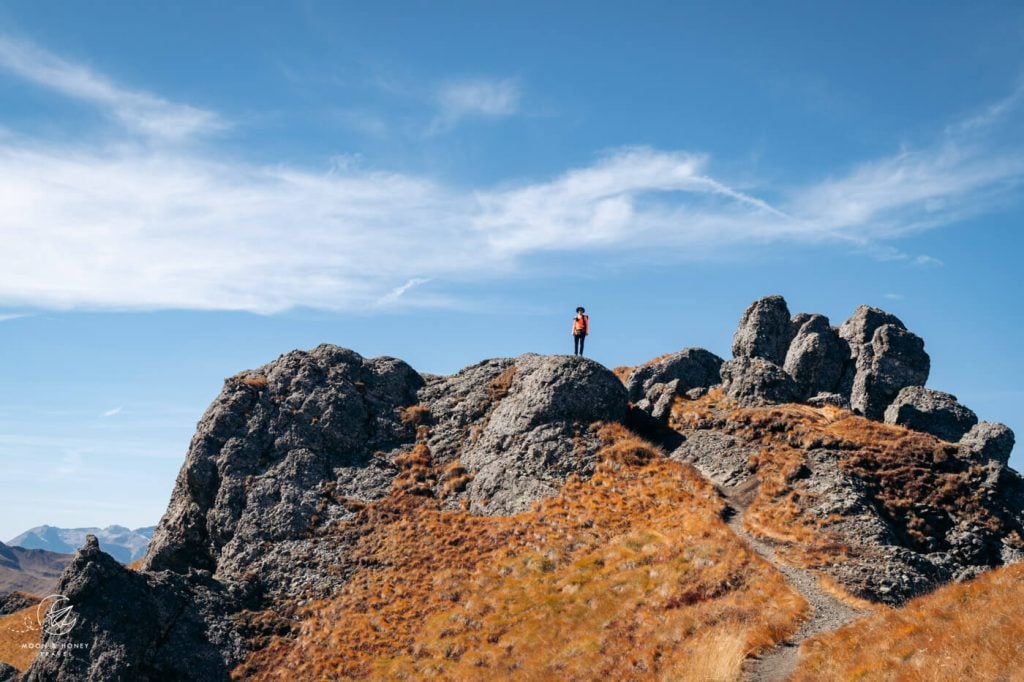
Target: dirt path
828,612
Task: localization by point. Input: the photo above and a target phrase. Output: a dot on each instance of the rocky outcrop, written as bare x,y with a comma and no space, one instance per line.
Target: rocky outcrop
894,360
129,625
658,401
816,357
764,331
829,399
16,601
520,427
988,441
880,362
866,361
719,456
691,367
756,381
8,673
275,444
934,412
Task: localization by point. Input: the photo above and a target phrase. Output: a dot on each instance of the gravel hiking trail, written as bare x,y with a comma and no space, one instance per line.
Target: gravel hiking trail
828,613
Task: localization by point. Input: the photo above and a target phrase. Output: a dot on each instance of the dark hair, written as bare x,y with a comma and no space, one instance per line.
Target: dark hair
580,309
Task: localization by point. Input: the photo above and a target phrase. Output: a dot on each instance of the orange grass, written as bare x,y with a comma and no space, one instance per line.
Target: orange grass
630,575
969,631
18,632
416,415
623,372
257,381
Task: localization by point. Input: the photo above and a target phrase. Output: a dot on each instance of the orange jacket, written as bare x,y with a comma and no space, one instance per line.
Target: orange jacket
581,325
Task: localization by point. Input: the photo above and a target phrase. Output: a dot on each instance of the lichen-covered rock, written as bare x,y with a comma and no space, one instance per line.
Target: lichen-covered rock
521,427
16,601
988,441
692,367
696,393
764,331
860,327
831,399
894,360
658,401
857,331
717,455
817,356
272,447
756,381
127,625
931,411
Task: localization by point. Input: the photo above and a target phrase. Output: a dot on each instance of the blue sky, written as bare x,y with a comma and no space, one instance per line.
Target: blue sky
190,190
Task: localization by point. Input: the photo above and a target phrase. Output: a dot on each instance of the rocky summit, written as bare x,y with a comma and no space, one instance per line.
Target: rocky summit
307,476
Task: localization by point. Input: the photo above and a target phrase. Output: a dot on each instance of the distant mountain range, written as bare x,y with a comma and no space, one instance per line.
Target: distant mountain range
124,544
34,571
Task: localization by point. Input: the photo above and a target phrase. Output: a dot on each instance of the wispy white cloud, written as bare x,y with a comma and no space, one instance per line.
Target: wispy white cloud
475,98
113,411
929,261
396,293
137,110
5,317
134,226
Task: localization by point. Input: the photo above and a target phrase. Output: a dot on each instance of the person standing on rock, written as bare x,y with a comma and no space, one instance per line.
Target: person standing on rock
580,330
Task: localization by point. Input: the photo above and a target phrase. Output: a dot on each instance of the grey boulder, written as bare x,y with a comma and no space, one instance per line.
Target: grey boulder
127,625
894,359
988,441
830,399
931,411
692,367
756,381
658,401
817,355
764,331
520,426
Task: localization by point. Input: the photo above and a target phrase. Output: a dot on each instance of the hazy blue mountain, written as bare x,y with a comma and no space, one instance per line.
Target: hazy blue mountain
124,544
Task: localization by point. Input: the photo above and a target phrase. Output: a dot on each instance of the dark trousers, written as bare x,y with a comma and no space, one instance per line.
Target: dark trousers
577,342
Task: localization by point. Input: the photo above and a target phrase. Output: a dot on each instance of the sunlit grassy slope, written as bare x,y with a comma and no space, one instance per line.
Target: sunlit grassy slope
968,631
18,632
630,575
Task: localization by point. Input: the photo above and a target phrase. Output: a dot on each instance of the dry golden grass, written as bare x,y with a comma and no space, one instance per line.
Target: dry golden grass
417,474
415,415
623,372
257,381
970,631
501,384
18,632
630,575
